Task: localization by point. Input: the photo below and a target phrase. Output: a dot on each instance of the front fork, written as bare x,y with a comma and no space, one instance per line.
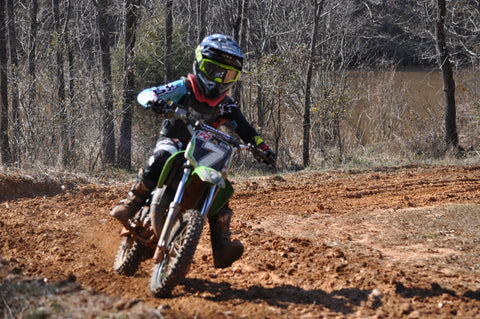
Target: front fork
174,209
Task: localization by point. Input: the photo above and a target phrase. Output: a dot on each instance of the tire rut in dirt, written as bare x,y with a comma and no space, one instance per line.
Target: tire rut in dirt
174,267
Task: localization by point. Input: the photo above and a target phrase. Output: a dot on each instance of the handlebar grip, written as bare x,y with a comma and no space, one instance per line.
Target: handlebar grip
260,156
160,106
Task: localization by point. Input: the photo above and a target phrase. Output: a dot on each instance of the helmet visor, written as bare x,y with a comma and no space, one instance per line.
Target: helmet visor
219,72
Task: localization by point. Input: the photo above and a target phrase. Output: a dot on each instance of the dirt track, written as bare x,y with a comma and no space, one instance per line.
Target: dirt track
398,242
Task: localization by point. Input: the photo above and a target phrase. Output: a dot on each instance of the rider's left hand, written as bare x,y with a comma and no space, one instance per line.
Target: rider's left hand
270,156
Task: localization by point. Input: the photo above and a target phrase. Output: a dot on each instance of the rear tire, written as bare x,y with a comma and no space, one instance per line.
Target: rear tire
176,261
129,256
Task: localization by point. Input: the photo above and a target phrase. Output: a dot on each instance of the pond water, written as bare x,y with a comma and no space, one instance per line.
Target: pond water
412,100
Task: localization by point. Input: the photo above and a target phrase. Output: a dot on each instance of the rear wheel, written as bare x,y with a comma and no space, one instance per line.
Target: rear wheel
176,260
129,256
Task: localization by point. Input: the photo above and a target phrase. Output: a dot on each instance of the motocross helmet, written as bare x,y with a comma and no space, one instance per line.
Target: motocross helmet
218,64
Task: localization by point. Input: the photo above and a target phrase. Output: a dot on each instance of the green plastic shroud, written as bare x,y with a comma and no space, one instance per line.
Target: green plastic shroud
224,194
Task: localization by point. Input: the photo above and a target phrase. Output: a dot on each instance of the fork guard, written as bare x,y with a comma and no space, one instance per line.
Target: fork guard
211,176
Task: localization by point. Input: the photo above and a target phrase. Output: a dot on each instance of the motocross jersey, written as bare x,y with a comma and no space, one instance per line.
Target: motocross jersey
181,92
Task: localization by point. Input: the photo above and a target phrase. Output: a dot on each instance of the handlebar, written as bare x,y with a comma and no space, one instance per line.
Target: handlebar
260,156
178,111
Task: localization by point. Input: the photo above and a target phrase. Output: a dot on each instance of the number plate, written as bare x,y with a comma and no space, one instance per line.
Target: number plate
206,150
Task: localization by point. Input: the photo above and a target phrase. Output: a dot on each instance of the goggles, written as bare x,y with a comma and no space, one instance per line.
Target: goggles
218,72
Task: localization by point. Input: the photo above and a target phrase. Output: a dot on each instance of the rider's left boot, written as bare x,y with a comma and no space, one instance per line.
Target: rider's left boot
225,251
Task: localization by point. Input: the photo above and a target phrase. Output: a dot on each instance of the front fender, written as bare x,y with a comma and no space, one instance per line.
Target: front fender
212,176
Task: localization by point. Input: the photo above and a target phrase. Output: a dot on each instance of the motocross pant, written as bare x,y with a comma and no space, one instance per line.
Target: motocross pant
164,148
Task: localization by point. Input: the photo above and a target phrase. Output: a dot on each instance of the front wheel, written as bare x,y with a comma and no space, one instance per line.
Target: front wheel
182,244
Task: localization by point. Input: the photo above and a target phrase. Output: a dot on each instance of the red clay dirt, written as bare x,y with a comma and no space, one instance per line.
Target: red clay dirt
392,242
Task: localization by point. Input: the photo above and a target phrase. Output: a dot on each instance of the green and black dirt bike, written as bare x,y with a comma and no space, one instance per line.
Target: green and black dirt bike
192,186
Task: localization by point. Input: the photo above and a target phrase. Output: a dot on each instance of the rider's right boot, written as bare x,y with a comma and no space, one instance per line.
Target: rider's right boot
127,208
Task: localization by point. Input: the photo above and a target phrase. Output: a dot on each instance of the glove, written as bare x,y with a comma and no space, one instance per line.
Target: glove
270,156
159,106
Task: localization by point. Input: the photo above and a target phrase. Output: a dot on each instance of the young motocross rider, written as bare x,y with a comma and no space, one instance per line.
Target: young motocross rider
217,66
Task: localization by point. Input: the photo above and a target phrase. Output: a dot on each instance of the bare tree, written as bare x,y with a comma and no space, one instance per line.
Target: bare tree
240,34
168,40
201,6
5,144
60,76
71,110
124,152
451,135
12,37
32,49
308,84
108,129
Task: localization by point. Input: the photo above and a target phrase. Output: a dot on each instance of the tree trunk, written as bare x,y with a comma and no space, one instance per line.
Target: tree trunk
62,111
451,135
108,128
308,84
4,143
201,11
243,32
240,37
12,37
72,109
29,110
32,52
124,152
238,20
260,103
168,40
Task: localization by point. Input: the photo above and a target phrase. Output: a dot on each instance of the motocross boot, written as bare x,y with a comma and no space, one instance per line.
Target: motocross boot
225,251
127,208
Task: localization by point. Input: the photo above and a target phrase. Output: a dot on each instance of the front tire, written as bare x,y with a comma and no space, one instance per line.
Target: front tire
176,260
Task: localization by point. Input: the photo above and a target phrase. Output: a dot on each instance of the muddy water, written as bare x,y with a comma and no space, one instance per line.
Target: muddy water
416,86
422,86
388,103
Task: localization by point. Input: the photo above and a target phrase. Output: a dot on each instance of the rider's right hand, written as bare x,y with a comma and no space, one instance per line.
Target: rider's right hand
159,106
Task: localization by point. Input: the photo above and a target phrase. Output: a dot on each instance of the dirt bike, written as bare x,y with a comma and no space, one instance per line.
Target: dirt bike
193,185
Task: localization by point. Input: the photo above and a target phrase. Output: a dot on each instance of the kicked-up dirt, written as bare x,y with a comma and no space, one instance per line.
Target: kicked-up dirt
393,242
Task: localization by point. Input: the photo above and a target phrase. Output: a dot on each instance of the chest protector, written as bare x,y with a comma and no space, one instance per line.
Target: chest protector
199,110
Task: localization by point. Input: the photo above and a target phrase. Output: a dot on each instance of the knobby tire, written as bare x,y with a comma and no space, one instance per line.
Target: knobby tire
129,256
175,264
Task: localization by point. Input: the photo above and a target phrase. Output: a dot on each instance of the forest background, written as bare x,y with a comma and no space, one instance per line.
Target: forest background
360,82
